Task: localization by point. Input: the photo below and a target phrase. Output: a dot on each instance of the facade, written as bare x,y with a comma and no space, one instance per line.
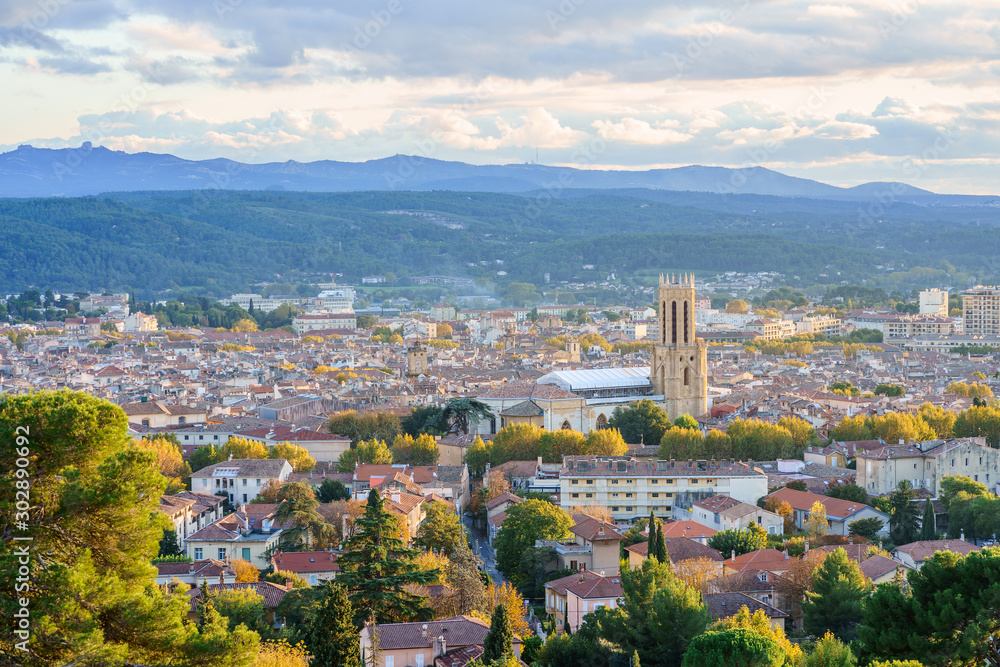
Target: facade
248,534
923,464
933,302
726,513
191,511
839,513
594,547
141,322
919,325
679,363
318,321
981,311
915,553
83,327
313,566
416,360
420,644
631,488
157,414
820,324
242,479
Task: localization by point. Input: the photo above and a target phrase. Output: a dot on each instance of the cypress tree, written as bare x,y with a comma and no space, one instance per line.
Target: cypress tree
661,546
927,528
634,662
498,646
651,540
333,639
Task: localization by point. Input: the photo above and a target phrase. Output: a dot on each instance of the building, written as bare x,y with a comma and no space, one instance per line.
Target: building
933,302
586,597
317,321
820,324
724,605
242,479
981,311
839,513
919,325
443,312
249,534
679,549
594,547
416,360
631,488
194,573
140,322
83,327
191,511
313,566
679,363
915,553
157,414
923,464
421,644
727,513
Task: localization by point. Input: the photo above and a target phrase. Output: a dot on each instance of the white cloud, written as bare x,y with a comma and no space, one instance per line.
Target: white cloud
635,131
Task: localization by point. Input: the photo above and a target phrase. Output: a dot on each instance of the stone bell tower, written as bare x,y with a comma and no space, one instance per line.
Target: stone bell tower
679,366
416,360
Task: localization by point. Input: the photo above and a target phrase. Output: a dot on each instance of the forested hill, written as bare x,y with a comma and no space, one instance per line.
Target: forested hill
225,240
91,170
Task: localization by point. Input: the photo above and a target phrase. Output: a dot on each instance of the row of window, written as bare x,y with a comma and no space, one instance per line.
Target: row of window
627,495
652,480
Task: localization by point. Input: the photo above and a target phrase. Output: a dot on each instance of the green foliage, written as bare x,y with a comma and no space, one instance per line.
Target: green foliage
740,541
169,545
304,525
367,451
835,603
845,389
831,652
739,647
525,523
868,528
376,567
927,526
93,519
658,618
460,413
643,421
903,519
850,491
948,617
333,638
498,645
441,531
979,421
358,427
241,606
891,390
423,419
419,451
332,490
686,421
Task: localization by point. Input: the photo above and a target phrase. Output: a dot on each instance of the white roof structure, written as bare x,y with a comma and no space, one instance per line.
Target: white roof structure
598,378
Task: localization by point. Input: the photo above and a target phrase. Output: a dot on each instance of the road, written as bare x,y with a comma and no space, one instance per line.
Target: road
481,547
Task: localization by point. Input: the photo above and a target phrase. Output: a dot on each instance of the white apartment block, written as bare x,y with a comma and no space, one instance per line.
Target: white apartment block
242,479
821,324
631,488
319,321
981,310
923,464
933,302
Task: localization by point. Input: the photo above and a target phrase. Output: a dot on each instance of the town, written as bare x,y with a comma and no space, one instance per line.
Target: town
540,484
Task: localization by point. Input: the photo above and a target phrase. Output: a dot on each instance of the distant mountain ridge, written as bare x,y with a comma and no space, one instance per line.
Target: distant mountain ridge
89,170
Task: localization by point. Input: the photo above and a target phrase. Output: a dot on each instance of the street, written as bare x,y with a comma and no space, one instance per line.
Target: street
481,547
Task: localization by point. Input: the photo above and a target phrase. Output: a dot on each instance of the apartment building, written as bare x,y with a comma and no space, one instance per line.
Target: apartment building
820,324
923,464
631,488
242,479
933,302
981,310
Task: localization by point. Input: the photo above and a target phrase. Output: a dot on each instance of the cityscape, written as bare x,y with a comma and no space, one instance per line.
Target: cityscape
536,335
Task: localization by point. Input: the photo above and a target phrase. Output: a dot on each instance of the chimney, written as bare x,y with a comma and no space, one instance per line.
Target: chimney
786,554
423,630
807,548
962,536
850,539
734,554
440,647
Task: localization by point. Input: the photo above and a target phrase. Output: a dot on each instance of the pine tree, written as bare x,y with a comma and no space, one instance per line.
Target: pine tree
661,546
169,545
333,639
840,592
927,528
498,646
377,566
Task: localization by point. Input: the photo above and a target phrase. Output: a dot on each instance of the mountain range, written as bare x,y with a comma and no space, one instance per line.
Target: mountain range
91,170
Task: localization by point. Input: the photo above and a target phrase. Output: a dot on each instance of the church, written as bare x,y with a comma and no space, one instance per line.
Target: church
676,379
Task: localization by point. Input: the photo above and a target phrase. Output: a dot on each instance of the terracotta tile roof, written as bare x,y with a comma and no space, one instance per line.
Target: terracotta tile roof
264,468
458,631
836,508
922,550
679,549
527,390
878,566
724,605
523,409
690,529
595,529
306,561
208,569
272,593
599,588
509,498
769,560
560,585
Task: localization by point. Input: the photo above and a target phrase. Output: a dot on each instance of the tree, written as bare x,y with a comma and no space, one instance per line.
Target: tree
890,390
169,545
738,646
816,524
477,457
659,616
333,638
784,509
831,652
641,422
382,426
245,325
736,306
94,524
740,541
686,421
367,451
681,444
242,448
304,525
423,419
903,518
605,442
169,461
241,607
245,570
868,528
940,420
525,523
851,492
927,528
521,294
459,413
836,602
377,566
441,531
952,485
698,573
759,623
463,578
948,617
331,490
419,451
651,540
205,456
498,646
297,457
661,547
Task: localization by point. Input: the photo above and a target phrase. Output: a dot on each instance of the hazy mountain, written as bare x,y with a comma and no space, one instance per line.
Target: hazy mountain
87,170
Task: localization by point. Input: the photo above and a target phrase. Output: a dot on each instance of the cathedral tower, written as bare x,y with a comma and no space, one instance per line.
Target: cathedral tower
679,367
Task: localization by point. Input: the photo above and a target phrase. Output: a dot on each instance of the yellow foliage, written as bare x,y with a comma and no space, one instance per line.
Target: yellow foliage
429,560
506,594
245,570
244,326
280,653
697,572
761,624
974,390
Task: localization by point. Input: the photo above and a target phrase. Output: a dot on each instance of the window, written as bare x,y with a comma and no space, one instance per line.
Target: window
244,481
614,495
692,481
628,509
244,497
419,658
313,579
574,481
145,422
614,481
565,426
575,495
669,481
204,482
655,495
198,553
246,553
614,509
762,576
215,437
181,420
966,461
590,495
628,495
390,661
590,481
975,478
914,466
222,553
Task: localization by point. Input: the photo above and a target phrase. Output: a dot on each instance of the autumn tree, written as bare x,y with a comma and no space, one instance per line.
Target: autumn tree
245,570
297,457
367,451
506,595
358,427
419,451
839,590
242,448
441,531
816,524
698,573
605,442
784,509
169,461
682,444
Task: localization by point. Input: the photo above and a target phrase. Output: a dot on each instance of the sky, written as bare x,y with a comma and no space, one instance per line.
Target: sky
841,92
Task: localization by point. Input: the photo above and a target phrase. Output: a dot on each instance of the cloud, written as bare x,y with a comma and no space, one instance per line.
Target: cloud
634,131
73,65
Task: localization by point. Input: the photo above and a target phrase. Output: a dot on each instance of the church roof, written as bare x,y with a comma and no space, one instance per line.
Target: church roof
598,378
523,409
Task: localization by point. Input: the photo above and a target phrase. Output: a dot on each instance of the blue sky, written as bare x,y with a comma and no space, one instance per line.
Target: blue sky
841,92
